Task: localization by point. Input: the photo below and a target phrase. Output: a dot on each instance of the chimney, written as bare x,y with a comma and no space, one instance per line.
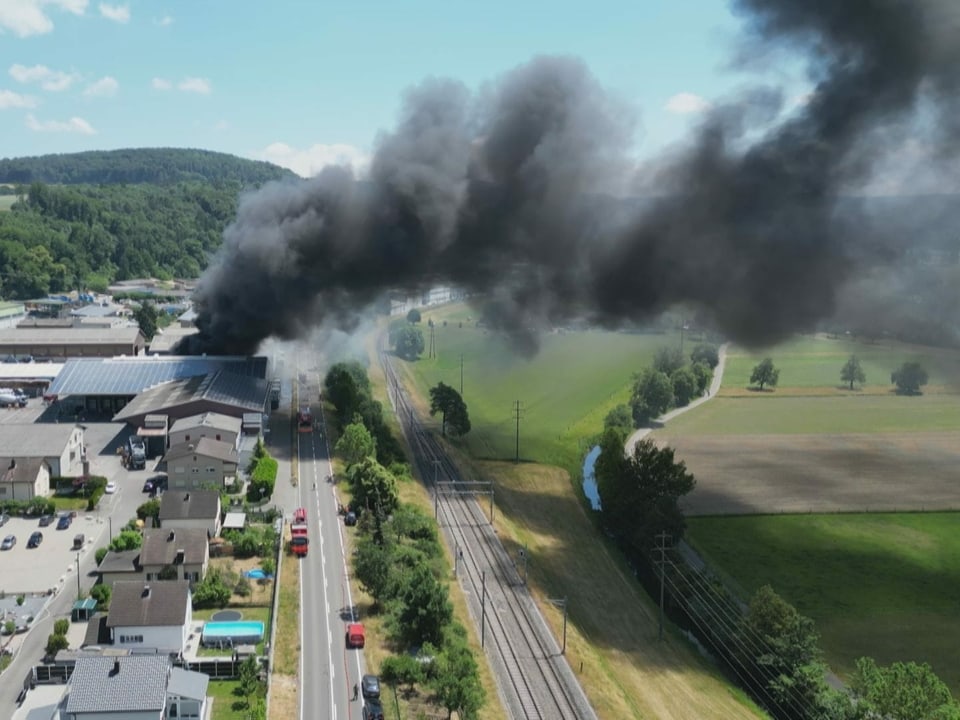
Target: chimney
146,591
171,536
181,554
186,497
116,667
13,463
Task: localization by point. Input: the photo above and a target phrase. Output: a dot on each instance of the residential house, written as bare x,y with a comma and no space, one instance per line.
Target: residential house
191,509
61,445
134,687
119,566
175,554
23,478
153,616
214,425
203,463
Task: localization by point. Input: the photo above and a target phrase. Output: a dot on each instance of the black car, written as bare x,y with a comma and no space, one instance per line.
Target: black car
370,687
372,710
35,539
64,522
350,518
45,520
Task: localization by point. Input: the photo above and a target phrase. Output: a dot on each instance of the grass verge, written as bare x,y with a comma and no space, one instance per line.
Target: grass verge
284,693
878,585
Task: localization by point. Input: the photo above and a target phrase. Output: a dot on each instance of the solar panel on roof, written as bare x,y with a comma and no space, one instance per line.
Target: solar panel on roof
130,376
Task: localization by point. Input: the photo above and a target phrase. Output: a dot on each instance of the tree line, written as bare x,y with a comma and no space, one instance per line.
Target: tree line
157,166
398,557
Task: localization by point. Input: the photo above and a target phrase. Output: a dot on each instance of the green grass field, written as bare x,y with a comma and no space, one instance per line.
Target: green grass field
880,585
6,201
816,362
565,390
841,414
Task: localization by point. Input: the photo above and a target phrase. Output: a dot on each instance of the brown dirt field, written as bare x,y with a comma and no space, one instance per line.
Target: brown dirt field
284,697
261,593
748,474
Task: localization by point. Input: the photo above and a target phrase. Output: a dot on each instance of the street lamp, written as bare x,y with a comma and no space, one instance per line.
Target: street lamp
78,576
562,602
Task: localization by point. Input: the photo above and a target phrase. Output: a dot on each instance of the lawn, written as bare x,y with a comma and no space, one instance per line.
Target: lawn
222,692
565,390
813,364
878,585
6,201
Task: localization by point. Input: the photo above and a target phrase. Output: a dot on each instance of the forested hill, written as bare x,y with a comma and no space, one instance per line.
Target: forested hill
159,166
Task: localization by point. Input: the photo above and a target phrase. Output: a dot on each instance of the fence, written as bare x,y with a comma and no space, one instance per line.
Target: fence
51,674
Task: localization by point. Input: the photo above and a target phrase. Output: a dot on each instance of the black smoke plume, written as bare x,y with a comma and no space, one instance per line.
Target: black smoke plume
502,193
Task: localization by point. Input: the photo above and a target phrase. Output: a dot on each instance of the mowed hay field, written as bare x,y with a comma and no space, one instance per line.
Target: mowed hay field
7,201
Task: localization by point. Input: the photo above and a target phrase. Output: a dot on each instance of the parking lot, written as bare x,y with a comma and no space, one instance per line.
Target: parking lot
53,562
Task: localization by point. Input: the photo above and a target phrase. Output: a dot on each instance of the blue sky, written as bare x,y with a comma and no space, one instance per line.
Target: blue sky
303,82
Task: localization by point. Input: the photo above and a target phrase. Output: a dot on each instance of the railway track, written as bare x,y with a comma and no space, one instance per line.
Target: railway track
533,677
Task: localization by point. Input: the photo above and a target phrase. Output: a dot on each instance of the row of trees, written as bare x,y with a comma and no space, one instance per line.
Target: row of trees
347,386
908,378
670,382
399,561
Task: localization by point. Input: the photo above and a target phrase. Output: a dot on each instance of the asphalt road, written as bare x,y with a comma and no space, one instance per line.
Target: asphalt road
327,668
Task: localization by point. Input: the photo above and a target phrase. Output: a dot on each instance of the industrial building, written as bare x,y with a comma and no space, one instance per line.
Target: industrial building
70,342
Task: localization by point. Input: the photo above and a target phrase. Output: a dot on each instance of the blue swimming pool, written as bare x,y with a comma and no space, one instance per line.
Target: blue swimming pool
226,634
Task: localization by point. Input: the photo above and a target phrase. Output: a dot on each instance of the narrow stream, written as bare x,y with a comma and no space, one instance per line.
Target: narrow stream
589,481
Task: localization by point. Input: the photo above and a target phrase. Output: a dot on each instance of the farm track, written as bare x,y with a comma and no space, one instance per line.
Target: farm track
534,678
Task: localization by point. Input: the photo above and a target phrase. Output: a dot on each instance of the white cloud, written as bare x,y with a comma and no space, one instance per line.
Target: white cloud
686,103
195,85
53,80
310,161
117,13
104,87
161,84
73,125
10,99
29,17
165,21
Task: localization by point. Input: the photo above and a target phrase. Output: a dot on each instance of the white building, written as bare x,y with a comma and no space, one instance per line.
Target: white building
59,445
154,616
213,425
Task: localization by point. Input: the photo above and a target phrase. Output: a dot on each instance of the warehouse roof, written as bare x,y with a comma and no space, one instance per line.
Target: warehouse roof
71,336
224,389
165,341
37,440
132,375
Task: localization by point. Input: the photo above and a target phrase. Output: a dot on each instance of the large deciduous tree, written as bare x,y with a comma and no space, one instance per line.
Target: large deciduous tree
356,443
408,342
765,374
852,372
909,377
147,318
903,691
373,487
684,386
652,395
453,410
706,353
640,494
668,359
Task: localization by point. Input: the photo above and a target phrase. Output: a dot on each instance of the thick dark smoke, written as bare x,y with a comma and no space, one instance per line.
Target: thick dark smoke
503,193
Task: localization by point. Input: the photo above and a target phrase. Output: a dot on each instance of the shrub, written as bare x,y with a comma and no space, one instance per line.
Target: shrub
56,643
61,626
242,588
100,554
101,593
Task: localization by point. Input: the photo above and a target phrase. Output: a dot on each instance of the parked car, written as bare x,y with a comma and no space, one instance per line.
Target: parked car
110,488
370,687
350,518
3,519
78,540
45,520
8,542
64,522
35,539
372,710
155,484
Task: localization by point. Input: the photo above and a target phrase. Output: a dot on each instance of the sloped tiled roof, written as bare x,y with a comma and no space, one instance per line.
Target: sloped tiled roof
133,683
148,604
189,505
208,447
160,546
214,420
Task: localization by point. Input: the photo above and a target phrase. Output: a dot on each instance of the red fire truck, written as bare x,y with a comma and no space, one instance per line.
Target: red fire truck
305,419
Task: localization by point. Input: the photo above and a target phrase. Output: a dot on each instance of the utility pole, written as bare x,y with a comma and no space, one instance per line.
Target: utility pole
433,346
517,412
523,560
78,576
461,375
662,547
483,605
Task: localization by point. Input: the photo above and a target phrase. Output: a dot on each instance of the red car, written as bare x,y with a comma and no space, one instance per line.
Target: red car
355,635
